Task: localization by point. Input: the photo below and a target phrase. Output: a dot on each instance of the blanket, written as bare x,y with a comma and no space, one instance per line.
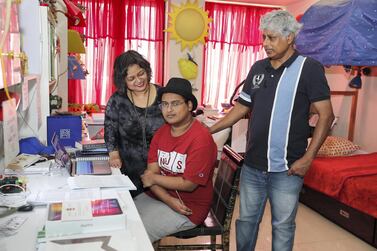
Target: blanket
329,174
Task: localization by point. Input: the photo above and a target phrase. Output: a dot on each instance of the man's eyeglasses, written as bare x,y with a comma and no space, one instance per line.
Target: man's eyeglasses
164,105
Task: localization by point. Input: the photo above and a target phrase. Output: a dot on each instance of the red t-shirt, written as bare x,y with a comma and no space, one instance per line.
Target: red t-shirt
191,155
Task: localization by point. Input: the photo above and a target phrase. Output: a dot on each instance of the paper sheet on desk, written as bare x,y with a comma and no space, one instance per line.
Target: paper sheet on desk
95,181
118,240
57,195
38,168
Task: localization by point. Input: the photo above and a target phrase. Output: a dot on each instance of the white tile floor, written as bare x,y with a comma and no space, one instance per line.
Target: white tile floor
313,233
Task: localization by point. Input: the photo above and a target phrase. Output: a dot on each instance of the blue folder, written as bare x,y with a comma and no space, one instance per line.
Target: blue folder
67,127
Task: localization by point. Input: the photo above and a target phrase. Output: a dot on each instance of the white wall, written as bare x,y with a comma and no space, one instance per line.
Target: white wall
173,53
366,119
365,134
62,66
33,23
35,30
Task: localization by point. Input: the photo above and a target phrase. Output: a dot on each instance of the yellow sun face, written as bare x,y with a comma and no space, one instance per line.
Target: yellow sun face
188,24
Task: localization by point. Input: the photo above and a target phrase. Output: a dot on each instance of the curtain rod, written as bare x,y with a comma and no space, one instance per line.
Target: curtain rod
248,4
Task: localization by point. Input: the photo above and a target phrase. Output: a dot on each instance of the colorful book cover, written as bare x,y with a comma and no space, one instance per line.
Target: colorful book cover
101,207
55,211
105,207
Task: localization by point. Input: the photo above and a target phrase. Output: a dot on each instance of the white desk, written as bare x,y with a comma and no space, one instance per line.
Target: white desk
133,238
220,137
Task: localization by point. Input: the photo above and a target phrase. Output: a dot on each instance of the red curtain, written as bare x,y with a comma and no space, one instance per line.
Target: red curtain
234,43
113,26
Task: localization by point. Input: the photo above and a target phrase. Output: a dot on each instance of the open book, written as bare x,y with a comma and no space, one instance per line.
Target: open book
24,160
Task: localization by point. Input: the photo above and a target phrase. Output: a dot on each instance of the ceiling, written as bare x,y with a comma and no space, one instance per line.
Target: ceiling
265,2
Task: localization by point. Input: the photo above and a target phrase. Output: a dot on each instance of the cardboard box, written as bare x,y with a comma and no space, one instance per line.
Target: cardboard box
67,127
84,216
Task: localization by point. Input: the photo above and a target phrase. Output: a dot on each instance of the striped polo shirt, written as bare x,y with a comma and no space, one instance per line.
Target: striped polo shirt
279,100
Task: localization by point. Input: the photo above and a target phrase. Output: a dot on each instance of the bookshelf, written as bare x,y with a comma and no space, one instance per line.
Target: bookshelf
42,41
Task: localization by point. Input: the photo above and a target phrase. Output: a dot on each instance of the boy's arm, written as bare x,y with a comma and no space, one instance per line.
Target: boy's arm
161,193
152,176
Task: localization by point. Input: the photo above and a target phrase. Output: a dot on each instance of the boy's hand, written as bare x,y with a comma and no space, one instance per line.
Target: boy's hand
178,206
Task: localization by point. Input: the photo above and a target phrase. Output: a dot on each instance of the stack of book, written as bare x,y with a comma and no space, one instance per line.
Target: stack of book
91,148
84,216
91,144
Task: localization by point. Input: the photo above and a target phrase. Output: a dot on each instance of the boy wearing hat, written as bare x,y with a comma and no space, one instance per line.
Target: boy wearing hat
181,161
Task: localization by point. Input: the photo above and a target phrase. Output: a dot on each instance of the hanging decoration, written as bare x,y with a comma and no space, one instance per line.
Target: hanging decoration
76,70
188,24
340,32
188,67
356,82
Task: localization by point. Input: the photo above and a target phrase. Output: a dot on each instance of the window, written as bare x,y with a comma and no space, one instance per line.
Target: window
233,45
115,26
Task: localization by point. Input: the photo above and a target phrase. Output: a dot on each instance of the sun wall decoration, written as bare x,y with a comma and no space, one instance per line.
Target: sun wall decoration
188,24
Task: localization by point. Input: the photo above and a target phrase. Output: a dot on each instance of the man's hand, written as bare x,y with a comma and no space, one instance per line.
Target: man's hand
300,167
326,117
178,206
148,178
115,160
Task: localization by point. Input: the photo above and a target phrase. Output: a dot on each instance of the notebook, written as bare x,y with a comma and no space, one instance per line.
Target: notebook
80,166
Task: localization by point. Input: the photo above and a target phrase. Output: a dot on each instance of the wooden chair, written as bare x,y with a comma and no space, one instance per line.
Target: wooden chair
219,218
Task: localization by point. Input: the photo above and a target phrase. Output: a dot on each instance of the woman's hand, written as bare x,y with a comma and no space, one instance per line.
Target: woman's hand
115,160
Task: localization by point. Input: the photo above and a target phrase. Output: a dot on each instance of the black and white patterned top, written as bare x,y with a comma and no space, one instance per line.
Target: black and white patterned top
123,132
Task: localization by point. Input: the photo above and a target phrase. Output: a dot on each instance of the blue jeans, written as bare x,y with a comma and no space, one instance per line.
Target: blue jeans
283,192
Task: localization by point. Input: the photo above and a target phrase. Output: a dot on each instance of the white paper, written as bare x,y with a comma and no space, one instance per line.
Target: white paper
75,246
24,160
57,195
38,168
10,129
92,242
93,181
77,210
92,194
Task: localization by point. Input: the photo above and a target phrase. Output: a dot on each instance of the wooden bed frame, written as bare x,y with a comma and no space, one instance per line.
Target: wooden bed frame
360,224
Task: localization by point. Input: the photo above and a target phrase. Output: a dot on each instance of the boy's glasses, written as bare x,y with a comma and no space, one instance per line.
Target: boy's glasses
174,104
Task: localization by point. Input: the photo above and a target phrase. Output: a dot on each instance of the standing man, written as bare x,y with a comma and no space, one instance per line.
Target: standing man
181,161
279,92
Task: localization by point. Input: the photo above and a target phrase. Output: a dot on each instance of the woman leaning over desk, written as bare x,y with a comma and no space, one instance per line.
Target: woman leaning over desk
132,116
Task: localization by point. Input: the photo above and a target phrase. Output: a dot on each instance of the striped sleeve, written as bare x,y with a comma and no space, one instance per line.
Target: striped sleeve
245,95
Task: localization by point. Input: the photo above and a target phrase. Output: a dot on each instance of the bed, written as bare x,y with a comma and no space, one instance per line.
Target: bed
344,188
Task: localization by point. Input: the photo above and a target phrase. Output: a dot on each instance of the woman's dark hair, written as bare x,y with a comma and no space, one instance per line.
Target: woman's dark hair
121,64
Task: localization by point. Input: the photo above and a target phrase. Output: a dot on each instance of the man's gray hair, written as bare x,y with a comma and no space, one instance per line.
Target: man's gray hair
280,21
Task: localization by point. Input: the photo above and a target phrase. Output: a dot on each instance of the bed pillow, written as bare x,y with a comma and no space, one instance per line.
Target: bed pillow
337,146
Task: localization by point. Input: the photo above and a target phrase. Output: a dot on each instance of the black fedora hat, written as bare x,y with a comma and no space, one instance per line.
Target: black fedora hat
181,87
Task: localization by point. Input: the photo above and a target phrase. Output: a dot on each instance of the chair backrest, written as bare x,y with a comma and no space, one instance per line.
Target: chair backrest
226,186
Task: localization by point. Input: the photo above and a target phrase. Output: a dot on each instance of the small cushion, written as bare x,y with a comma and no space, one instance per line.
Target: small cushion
337,146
